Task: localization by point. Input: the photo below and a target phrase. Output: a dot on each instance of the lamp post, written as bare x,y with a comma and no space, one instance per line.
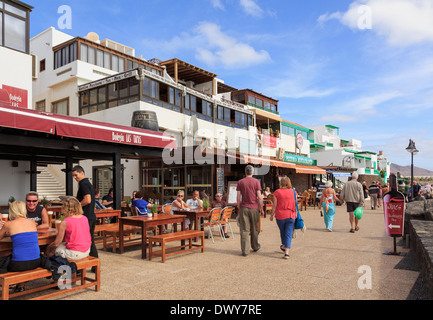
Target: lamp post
413,151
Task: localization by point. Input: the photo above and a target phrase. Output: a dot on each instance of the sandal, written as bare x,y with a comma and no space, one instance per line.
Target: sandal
352,230
282,248
357,229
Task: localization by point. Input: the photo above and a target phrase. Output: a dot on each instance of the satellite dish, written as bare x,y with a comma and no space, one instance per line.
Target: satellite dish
93,36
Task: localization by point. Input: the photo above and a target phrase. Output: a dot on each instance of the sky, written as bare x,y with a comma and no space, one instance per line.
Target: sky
365,66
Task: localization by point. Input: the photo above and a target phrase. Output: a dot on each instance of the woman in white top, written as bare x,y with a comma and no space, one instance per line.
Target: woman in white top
179,204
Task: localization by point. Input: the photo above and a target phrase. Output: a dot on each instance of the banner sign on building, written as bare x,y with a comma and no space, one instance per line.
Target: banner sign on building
17,97
298,159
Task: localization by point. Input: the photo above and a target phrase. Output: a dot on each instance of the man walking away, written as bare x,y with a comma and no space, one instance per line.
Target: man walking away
373,190
353,195
86,196
250,204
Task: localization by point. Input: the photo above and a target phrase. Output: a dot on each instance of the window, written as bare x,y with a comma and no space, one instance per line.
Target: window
227,114
66,55
83,52
15,33
100,58
42,65
15,11
121,64
115,63
107,58
251,100
61,107
259,102
91,55
1,27
40,106
187,101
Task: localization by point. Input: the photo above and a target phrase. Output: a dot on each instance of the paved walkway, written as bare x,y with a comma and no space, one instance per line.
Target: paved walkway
323,266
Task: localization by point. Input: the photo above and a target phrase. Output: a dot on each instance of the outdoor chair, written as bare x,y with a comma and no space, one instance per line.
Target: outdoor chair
214,222
226,215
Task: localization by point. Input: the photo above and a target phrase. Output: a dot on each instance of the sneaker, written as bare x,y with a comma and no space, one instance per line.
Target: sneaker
286,256
226,235
255,250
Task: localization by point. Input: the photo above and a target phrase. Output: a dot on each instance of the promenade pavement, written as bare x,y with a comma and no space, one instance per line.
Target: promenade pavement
323,265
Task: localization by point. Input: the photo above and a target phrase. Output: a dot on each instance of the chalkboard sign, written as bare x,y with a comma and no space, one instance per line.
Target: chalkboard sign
232,194
220,180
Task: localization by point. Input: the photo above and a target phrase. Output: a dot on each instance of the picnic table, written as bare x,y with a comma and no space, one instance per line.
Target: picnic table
105,213
157,220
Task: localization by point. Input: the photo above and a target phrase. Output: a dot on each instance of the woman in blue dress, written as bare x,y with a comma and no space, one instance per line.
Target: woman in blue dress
328,204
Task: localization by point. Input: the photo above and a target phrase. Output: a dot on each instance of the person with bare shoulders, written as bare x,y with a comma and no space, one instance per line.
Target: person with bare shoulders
329,196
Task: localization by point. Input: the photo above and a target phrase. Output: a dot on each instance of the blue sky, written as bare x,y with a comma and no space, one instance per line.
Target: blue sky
365,66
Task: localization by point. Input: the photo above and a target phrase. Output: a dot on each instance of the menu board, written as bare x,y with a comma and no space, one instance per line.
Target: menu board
220,180
232,194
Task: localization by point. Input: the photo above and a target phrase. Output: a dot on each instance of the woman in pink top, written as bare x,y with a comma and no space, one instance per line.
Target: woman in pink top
284,209
74,231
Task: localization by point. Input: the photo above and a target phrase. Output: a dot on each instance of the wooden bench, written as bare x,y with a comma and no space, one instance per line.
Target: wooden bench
163,239
12,278
111,231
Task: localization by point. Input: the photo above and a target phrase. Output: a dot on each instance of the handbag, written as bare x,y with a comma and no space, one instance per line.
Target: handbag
299,222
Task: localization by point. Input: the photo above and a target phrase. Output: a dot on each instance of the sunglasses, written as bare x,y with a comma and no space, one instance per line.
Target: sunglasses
180,196
218,196
32,201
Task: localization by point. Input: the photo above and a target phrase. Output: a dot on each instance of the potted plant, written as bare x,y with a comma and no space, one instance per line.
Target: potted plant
206,204
45,202
11,199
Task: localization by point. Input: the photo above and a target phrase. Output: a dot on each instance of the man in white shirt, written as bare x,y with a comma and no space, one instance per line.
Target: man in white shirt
195,202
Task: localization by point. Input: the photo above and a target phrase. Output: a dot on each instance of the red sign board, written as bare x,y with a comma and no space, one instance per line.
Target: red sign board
394,207
17,97
269,141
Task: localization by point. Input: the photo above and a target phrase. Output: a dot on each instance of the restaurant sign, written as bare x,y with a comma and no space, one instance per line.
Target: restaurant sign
269,141
14,97
298,159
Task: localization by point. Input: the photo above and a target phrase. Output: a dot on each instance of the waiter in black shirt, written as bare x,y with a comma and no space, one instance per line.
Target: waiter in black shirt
86,196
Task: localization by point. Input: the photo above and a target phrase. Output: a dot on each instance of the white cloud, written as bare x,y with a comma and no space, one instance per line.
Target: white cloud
401,22
224,49
217,4
212,46
251,8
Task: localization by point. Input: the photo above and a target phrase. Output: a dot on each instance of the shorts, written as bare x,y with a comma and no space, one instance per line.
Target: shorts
351,206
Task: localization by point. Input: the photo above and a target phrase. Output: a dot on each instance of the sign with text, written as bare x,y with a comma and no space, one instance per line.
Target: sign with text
17,97
269,141
394,207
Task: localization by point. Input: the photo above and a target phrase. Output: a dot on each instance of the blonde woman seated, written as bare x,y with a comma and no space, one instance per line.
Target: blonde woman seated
74,231
26,254
179,204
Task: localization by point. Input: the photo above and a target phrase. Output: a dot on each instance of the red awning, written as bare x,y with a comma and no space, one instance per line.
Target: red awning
74,127
268,162
18,118
309,169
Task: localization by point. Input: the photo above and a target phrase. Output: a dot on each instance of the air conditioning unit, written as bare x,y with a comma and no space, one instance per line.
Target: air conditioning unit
34,67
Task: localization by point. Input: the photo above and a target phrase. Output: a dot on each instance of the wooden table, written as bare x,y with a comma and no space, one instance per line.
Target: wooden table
104,213
146,222
194,215
45,237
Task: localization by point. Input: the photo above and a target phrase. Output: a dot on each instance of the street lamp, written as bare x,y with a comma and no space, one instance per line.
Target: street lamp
413,151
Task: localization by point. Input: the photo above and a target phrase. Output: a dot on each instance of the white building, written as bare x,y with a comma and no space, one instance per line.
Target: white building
15,84
331,151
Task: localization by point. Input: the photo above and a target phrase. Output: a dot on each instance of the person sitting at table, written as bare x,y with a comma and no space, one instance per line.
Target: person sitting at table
142,205
74,231
218,202
98,204
36,212
179,204
195,202
26,254
108,200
